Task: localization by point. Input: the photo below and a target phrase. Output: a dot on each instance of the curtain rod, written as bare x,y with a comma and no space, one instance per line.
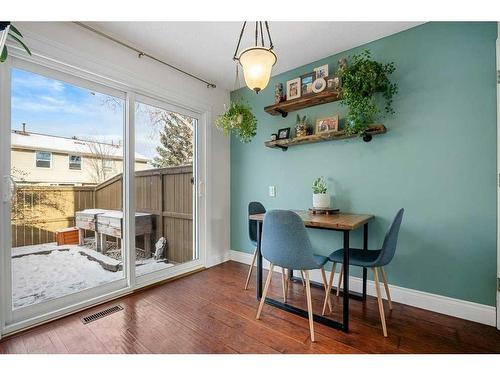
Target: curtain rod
141,53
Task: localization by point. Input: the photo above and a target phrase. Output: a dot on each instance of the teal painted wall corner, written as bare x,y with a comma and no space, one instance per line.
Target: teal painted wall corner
438,161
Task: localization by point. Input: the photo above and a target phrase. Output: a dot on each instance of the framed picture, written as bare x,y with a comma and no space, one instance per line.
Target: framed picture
319,85
327,125
321,71
333,83
293,89
306,83
284,133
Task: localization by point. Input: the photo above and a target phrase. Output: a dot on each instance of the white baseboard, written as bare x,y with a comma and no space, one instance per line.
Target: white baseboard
444,305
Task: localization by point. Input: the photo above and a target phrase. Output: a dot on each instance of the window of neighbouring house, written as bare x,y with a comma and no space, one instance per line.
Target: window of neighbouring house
107,164
43,159
75,162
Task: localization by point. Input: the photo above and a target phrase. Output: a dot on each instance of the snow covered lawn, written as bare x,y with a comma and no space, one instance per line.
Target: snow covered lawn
50,271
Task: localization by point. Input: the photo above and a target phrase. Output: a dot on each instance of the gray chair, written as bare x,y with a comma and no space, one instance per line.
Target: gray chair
285,243
374,259
253,209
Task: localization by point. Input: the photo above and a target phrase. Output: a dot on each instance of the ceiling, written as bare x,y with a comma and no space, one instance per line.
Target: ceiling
206,48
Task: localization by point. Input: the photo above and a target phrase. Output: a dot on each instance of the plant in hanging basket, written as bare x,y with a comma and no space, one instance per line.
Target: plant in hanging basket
239,120
362,80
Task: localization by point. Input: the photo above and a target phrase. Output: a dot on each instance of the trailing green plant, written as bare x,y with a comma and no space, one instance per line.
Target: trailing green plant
239,120
319,186
15,35
362,80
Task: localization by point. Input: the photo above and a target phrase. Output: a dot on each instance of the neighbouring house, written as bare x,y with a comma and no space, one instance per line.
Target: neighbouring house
45,159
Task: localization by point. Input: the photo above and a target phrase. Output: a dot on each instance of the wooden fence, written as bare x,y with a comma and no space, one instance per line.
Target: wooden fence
166,193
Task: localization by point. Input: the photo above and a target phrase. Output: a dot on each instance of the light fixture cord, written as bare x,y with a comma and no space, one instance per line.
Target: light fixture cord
271,46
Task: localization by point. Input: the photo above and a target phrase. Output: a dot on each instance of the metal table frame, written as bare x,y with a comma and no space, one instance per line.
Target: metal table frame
346,294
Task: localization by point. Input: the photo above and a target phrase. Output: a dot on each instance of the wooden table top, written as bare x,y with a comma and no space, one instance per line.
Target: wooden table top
338,221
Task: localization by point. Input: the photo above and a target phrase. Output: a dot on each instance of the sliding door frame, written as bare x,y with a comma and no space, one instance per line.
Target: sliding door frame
497,284
73,74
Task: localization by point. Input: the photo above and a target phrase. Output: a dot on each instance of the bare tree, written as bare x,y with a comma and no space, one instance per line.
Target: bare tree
101,154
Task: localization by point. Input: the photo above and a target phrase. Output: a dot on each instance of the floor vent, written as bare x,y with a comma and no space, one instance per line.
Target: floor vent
101,314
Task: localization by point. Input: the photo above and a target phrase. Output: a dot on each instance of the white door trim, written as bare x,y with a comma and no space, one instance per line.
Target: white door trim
498,176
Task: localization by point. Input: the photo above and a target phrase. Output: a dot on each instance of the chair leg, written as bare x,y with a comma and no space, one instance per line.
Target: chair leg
327,290
330,285
309,304
284,283
379,298
340,280
386,286
264,293
302,278
251,268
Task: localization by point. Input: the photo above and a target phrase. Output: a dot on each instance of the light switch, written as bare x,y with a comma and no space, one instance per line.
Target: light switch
272,191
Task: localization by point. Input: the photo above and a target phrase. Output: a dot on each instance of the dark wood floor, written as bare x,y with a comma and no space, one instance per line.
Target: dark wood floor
209,312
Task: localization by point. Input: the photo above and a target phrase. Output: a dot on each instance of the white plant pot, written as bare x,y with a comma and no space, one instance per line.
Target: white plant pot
321,200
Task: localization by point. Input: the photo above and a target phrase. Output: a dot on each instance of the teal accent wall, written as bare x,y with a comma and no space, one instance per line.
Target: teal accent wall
438,161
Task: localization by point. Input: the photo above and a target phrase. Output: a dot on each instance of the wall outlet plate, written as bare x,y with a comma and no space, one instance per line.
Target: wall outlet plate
272,191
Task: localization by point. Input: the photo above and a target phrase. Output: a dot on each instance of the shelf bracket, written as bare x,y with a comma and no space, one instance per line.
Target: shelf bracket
283,148
283,113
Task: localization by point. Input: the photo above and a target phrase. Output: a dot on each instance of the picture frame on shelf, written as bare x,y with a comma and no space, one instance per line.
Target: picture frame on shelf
327,125
284,133
321,71
306,83
333,83
293,89
319,85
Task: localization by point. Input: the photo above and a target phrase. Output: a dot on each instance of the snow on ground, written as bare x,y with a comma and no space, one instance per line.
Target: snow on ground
44,276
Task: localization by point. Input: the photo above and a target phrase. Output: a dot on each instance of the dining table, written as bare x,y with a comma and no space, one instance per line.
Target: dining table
340,222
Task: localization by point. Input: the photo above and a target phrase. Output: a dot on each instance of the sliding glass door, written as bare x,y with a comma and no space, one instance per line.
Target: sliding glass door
97,199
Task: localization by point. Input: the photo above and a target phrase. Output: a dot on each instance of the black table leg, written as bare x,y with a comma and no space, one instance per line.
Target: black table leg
259,262
365,248
345,315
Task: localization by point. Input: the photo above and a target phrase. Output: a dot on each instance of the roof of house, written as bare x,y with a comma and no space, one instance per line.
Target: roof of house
45,142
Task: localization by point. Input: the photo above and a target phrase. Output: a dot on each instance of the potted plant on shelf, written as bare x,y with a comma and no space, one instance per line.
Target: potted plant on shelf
239,120
362,80
301,129
320,197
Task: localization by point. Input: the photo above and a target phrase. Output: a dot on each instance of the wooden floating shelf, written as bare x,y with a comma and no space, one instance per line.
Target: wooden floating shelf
283,108
283,144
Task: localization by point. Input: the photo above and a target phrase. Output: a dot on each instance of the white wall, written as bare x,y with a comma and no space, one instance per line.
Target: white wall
71,44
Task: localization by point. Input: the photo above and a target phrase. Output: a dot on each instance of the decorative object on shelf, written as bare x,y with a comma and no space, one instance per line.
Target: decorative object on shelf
284,133
274,137
342,65
279,96
333,83
306,83
321,71
293,89
361,81
257,61
319,85
321,199
324,211
239,120
327,124
326,96
9,31
301,129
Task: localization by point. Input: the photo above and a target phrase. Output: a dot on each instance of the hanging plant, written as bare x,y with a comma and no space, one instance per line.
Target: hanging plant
238,120
12,34
362,80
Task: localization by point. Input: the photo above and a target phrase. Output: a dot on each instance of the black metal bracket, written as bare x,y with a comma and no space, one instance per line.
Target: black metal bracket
283,113
283,148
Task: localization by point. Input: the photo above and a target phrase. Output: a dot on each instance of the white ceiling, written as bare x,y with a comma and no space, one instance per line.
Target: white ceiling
206,48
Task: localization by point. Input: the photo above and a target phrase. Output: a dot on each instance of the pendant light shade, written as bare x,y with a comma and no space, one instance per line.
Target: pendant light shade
257,63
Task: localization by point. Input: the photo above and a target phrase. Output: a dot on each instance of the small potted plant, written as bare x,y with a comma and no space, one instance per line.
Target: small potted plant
301,129
320,197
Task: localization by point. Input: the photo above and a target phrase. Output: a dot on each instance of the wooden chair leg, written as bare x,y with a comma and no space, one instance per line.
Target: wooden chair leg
302,278
386,286
330,285
327,290
379,298
340,280
264,293
251,268
284,282
309,305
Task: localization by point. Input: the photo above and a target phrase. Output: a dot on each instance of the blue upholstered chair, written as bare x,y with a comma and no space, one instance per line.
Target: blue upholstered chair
253,209
285,243
374,259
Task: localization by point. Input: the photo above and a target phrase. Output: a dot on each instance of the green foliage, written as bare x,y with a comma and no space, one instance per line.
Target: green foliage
361,81
16,36
319,186
239,120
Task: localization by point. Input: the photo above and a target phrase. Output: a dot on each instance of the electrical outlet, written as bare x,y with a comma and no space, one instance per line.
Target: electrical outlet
272,191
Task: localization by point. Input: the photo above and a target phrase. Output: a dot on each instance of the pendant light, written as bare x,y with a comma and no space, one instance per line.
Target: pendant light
257,61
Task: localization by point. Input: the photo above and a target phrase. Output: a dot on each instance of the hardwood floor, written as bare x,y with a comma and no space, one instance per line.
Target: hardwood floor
209,312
